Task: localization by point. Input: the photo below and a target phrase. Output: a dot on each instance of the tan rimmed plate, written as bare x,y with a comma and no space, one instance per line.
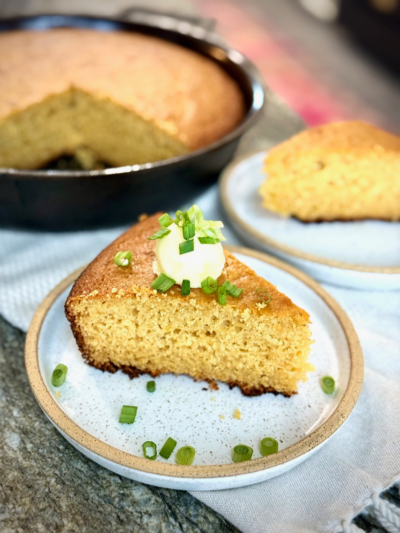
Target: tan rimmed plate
358,254
86,408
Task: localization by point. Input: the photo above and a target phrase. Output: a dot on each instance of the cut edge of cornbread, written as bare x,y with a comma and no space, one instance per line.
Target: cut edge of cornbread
341,171
64,123
119,322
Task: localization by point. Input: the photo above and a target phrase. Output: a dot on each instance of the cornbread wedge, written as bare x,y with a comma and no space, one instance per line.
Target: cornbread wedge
340,171
124,98
120,322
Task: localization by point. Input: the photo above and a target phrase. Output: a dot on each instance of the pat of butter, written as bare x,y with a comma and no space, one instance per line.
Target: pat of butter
205,260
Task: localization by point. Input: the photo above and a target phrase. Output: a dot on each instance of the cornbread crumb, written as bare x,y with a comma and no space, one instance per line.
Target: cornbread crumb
213,385
258,350
237,414
341,171
212,399
142,217
261,305
58,394
221,417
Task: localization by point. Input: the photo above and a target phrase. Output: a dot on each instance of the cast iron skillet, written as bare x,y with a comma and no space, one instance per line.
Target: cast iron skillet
69,200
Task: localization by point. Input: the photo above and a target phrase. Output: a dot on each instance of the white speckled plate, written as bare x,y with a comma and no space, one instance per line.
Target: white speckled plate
360,254
87,407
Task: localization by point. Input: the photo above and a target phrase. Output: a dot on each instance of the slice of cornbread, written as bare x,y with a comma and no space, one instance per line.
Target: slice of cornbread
119,322
340,171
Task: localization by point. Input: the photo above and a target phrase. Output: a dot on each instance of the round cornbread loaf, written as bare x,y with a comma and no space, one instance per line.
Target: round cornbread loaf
128,97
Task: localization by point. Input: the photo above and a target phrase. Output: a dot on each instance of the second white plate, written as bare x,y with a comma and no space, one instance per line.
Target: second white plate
363,255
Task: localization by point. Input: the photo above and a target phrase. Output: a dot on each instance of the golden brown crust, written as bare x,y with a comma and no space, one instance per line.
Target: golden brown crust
339,219
185,94
103,279
352,136
133,372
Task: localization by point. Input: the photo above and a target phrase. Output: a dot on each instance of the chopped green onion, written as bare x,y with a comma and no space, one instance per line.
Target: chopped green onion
163,232
241,453
152,446
165,220
328,384
208,240
123,259
268,446
205,228
231,289
185,287
206,231
186,247
263,295
128,414
188,231
168,448
59,375
209,285
195,214
222,295
162,283
180,218
185,455
151,386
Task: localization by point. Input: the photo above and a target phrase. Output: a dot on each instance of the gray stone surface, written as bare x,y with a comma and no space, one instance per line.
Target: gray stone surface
48,486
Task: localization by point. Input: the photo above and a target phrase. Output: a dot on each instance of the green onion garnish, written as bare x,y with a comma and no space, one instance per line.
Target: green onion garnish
181,218
205,228
231,289
185,287
209,285
163,232
222,295
151,386
128,414
168,448
328,384
241,453
268,446
185,455
162,283
188,231
59,375
263,295
165,220
208,240
152,446
186,247
123,259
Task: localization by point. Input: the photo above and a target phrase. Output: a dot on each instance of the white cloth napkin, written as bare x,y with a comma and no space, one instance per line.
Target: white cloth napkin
325,492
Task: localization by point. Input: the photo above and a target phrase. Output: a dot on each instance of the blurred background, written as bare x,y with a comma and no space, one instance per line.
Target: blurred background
327,59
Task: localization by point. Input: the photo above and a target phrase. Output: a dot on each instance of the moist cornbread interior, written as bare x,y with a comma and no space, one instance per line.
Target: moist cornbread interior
123,97
340,171
119,322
